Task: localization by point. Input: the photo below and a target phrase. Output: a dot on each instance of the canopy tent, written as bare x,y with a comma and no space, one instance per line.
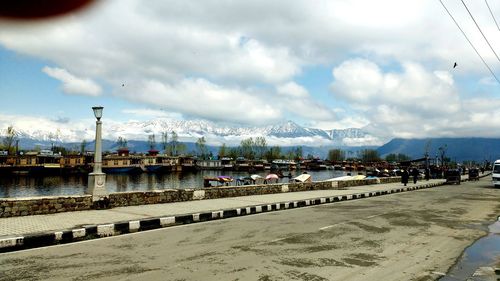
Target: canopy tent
303,178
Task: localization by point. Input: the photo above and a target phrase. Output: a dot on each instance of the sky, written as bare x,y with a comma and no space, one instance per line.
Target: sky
384,66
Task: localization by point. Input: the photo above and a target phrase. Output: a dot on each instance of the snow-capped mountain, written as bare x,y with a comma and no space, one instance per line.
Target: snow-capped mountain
286,133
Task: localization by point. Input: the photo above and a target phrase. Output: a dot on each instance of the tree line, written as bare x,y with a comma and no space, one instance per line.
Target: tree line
249,148
365,155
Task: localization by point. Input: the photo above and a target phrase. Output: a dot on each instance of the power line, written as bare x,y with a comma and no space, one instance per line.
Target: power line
493,16
465,35
480,31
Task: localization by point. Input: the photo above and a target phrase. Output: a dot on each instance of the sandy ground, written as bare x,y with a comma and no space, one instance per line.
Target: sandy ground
409,236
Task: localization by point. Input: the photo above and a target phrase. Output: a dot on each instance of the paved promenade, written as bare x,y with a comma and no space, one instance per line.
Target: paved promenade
39,230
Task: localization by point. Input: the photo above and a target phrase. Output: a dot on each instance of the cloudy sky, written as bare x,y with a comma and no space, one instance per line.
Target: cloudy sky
385,66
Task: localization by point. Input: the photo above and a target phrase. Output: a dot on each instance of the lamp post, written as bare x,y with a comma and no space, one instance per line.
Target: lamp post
97,179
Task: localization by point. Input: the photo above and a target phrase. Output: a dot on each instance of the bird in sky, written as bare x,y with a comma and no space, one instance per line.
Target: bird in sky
123,85
455,65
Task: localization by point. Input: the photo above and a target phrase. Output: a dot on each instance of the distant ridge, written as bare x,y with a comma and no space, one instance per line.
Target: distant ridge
288,133
457,149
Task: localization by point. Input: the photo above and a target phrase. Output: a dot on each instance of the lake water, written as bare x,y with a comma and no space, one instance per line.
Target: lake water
28,186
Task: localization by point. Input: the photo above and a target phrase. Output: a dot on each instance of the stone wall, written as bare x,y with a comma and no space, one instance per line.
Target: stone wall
347,183
177,195
12,207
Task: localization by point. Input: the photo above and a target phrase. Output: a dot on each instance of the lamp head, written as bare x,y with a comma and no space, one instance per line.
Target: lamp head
97,112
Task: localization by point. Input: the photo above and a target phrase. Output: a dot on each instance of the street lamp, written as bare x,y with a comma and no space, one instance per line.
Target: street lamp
97,112
97,179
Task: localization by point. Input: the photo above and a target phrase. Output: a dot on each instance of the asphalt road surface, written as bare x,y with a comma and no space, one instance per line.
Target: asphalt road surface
414,235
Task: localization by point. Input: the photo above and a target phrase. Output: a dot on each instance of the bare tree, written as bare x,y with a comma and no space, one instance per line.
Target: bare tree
152,142
164,142
9,138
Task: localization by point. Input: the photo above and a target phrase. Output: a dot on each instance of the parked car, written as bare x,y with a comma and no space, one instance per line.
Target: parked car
474,174
452,176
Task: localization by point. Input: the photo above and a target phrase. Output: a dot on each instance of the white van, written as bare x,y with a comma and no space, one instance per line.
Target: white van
496,173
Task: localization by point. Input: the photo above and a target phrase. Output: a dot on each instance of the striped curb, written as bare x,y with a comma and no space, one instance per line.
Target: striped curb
124,227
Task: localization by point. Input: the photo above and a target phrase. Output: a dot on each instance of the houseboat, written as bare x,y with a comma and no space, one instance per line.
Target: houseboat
209,164
149,163
168,163
316,165
114,163
43,162
227,163
258,165
242,164
187,163
74,163
285,165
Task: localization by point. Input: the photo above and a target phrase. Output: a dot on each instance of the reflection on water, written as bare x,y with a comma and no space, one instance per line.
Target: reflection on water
483,253
27,186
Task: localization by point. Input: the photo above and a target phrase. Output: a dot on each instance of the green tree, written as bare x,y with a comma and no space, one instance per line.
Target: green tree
273,153
369,155
442,155
174,144
260,147
298,152
336,155
122,143
400,157
247,146
223,151
9,138
202,147
234,152
83,145
60,149
392,157
181,148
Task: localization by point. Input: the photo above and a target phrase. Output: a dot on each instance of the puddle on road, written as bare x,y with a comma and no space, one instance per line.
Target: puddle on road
485,252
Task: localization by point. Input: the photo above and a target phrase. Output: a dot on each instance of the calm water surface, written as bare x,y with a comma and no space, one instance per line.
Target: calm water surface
27,186
485,252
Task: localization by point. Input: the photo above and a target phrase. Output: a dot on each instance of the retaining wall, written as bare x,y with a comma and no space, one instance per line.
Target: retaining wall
13,207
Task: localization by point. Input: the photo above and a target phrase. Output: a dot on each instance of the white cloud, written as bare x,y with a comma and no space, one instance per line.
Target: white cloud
240,61
292,89
489,81
151,113
413,90
413,102
199,97
40,127
72,84
346,122
296,99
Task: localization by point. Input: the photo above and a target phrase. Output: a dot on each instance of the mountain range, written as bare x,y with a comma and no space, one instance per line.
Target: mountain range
286,133
316,142
456,149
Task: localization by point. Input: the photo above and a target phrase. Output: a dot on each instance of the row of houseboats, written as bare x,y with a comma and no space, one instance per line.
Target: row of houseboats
122,162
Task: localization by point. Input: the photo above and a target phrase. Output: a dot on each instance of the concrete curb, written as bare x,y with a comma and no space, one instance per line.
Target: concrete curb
124,227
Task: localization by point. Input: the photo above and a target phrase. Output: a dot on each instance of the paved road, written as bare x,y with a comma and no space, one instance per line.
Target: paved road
408,236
